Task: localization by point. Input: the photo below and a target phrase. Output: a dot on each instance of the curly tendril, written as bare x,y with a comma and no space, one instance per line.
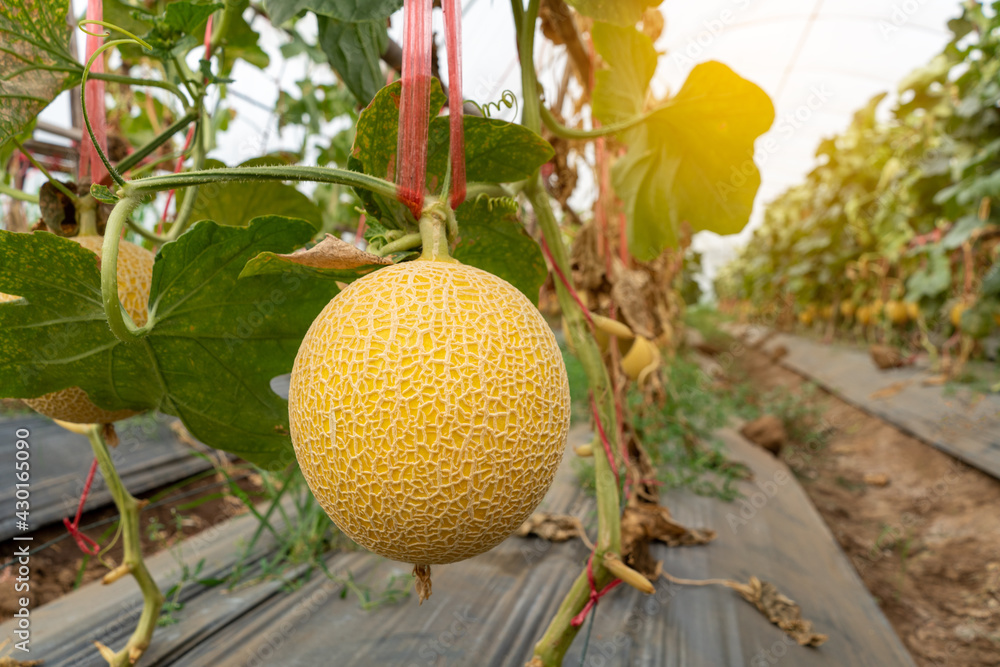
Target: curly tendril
507,99
112,26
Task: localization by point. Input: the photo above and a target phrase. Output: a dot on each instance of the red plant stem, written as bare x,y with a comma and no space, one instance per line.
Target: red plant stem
86,545
359,235
414,116
566,283
453,32
91,168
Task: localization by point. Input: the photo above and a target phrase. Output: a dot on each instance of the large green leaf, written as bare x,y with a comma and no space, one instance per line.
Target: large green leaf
491,238
35,62
620,89
343,10
354,50
495,151
620,12
931,280
215,344
692,159
236,203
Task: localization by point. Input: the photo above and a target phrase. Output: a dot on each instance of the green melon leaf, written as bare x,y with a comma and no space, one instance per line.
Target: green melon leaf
216,342
692,159
34,47
354,50
492,239
931,280
343,10
184,17
234,203
495,151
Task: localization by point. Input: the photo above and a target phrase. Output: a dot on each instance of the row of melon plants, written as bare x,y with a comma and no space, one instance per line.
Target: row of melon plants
893,235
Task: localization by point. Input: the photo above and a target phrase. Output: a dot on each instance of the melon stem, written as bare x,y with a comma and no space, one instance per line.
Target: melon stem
86,208
129,508
434,225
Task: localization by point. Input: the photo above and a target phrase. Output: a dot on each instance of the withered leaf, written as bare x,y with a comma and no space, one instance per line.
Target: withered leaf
780,610
886,357
642,523
331,258
334,253
552,527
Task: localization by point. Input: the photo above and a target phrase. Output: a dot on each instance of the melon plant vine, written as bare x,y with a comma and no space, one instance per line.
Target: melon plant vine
231,299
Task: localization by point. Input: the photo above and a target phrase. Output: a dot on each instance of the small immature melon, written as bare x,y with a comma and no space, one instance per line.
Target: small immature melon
429,409
135,275
897,312
955,314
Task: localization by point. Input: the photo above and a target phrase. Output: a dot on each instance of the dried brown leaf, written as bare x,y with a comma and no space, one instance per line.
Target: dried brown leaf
552,527
780,610
559,26
886,357
642,523
876,479
891,390
334,253
58,211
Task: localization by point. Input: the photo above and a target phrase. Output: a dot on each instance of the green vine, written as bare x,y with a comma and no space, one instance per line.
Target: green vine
552,647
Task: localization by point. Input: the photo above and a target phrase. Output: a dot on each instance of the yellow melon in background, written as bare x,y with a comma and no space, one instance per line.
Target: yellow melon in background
429,409
135,275
897,313
955,314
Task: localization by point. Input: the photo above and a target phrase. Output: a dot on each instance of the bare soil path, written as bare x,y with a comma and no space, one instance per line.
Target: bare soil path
922,528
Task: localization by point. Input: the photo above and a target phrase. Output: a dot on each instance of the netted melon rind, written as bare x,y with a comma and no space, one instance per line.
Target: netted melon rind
135,276
429,409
